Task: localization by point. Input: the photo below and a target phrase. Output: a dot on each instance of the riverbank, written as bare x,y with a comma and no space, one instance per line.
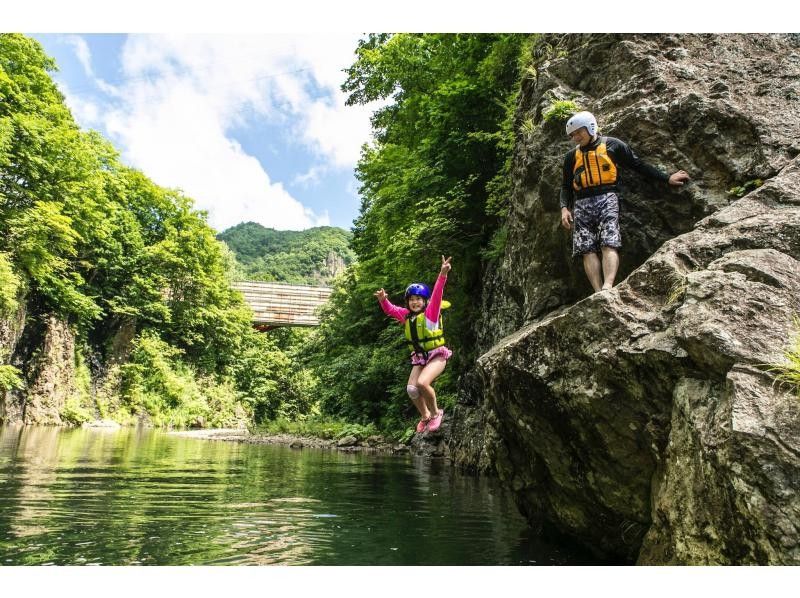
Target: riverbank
426,445
346,444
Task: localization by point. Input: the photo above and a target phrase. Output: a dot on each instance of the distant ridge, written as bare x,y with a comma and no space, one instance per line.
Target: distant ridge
313,256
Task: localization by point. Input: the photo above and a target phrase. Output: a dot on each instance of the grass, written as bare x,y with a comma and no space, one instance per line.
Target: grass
788,372
527,127
677,291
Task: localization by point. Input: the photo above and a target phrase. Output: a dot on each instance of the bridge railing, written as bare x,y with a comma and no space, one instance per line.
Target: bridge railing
280,304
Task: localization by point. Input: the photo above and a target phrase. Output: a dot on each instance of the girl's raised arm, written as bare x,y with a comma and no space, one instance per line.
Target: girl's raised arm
391,310
435,304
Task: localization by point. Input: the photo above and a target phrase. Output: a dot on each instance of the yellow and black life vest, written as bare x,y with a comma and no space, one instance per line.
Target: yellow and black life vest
593,168
420,339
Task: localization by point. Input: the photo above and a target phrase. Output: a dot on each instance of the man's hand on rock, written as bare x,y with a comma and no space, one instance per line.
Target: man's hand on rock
566,218
677,179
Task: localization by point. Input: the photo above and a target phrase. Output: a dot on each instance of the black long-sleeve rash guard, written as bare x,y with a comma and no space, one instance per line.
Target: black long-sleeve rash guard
620,153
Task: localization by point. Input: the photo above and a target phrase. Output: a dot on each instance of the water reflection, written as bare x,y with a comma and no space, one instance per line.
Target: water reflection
131,497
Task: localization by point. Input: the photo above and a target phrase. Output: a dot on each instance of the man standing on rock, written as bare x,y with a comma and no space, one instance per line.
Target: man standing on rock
590,173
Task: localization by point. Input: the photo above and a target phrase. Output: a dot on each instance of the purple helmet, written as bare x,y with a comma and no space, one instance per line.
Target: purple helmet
417,288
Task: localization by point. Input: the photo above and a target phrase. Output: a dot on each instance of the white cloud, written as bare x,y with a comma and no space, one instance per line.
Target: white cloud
284,78
336,133
85,111
310,177
183,94
208,166
82,51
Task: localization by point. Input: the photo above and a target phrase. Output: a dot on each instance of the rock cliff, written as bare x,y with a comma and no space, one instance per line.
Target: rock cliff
42,347
642,421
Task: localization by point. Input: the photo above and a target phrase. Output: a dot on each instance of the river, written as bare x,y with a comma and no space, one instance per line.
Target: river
144,497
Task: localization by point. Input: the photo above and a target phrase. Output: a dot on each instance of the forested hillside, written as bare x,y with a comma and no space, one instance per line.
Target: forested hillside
134,272
312,256
125,274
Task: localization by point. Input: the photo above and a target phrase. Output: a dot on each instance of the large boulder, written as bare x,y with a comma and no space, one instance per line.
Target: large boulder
651,403
643,421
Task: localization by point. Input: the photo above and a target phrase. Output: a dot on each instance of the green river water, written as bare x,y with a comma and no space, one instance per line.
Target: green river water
144,497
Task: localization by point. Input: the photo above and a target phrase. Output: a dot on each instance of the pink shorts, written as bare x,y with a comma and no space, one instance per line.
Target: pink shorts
443,351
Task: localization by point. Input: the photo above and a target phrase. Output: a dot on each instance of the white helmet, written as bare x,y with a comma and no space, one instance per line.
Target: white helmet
582,119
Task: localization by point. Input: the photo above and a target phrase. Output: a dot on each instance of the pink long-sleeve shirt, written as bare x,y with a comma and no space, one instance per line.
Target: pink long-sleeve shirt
432,311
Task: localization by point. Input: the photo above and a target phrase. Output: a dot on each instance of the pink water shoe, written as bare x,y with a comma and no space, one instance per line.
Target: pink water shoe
434,424
423,423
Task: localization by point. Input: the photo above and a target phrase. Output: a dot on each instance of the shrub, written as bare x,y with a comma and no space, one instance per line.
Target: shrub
745,188
560,110
10,378
74,413
159,385
318,426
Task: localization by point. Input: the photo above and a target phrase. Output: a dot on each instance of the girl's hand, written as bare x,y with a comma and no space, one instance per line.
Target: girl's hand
445,266
381,295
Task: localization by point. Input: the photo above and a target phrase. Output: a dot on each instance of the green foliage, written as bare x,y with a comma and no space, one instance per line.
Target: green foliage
788,371
434,182
560,111
545,50
45,244
10,378
74,413
745,188
79,407
406,435
157,385
527,127
269,379
103,247
677,290
312,256
497,244
9,287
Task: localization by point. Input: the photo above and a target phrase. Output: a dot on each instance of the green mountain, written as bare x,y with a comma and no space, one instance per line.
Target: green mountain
311,256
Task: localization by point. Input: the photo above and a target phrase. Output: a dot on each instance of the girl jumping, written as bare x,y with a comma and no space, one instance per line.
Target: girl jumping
423,330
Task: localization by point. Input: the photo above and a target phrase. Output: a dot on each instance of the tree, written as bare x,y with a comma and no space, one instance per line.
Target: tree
427,186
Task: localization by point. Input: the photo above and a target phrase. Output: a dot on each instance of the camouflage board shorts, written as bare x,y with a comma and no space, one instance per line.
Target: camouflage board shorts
596,224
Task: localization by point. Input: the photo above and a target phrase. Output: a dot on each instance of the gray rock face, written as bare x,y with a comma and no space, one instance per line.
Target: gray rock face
642,421
11,330
51,375
10,333
44,351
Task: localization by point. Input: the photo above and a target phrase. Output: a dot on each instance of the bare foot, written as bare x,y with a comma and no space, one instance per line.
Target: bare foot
606,287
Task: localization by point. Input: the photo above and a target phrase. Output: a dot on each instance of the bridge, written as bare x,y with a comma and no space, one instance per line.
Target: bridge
277,304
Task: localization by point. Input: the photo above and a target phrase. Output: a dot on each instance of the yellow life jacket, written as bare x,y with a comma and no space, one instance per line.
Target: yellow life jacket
420,339
593,168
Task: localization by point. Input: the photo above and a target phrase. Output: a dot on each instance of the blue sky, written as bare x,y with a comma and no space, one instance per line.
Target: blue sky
251,126
251,123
